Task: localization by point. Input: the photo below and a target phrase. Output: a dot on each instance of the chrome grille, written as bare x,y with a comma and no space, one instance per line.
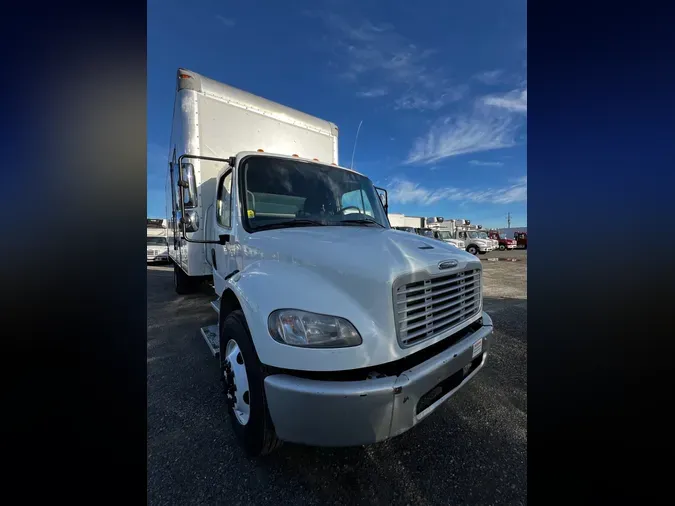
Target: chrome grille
425,308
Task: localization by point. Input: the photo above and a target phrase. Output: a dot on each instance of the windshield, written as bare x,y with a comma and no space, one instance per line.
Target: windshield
473,235
427,233
285,193
482,235
157,241
444,234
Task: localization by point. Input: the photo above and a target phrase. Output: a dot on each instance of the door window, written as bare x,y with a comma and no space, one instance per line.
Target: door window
224,201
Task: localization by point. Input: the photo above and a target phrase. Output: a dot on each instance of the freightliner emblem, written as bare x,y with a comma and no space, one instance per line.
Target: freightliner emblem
447,264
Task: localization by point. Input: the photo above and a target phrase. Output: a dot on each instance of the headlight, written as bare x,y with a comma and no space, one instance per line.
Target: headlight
311,330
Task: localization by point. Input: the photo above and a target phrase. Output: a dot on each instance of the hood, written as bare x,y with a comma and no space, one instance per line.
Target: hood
484,242
349,254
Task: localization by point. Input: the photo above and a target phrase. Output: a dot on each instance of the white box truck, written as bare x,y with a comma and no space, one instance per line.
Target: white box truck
157,246
333,329
444,231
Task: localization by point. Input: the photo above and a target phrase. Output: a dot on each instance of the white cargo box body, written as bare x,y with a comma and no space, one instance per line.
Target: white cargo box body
215,120
396,220
413,221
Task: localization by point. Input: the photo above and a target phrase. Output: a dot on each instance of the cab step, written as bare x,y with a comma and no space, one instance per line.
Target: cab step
210,335
215,304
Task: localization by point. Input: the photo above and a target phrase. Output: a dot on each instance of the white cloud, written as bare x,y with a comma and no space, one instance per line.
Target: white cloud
403,191
485,129
226,21
375,92
514,101
479,163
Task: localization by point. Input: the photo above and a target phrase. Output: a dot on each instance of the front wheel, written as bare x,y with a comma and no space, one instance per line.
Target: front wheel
243,377
472,249
502,247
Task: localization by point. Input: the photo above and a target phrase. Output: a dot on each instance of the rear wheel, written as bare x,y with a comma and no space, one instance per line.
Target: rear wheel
243,376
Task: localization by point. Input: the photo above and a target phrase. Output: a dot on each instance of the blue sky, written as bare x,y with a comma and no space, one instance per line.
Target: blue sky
441,88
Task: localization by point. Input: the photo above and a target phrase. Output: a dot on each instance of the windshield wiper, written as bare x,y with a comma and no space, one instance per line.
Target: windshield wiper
291,224
363,220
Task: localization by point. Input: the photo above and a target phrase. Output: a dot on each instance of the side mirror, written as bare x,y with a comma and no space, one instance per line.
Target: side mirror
384,198
191,221
188,183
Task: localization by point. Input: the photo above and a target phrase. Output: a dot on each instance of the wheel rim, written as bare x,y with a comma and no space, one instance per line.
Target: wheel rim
237,381
472,250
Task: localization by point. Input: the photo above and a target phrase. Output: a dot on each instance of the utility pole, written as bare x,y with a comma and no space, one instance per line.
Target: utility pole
508,219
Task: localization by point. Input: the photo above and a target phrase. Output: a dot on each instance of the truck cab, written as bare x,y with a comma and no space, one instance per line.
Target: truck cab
521,239
477,241
504,242
446,236
332,328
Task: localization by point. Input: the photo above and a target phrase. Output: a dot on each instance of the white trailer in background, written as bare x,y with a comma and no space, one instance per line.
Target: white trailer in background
396,220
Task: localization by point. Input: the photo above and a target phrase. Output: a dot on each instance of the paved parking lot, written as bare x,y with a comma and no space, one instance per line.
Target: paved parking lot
472,450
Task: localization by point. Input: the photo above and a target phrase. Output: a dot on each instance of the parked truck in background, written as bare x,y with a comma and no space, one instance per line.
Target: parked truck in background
157,246
333,329
504,242
477,241
444,231
521,239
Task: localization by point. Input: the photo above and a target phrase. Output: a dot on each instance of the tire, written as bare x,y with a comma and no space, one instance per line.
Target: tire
182,283
502,247
472,249
256,435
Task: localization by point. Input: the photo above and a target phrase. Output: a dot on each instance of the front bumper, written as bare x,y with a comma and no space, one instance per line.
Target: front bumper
158,258
350,413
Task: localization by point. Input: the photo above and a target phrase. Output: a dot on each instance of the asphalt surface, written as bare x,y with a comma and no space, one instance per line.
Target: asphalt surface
472,450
